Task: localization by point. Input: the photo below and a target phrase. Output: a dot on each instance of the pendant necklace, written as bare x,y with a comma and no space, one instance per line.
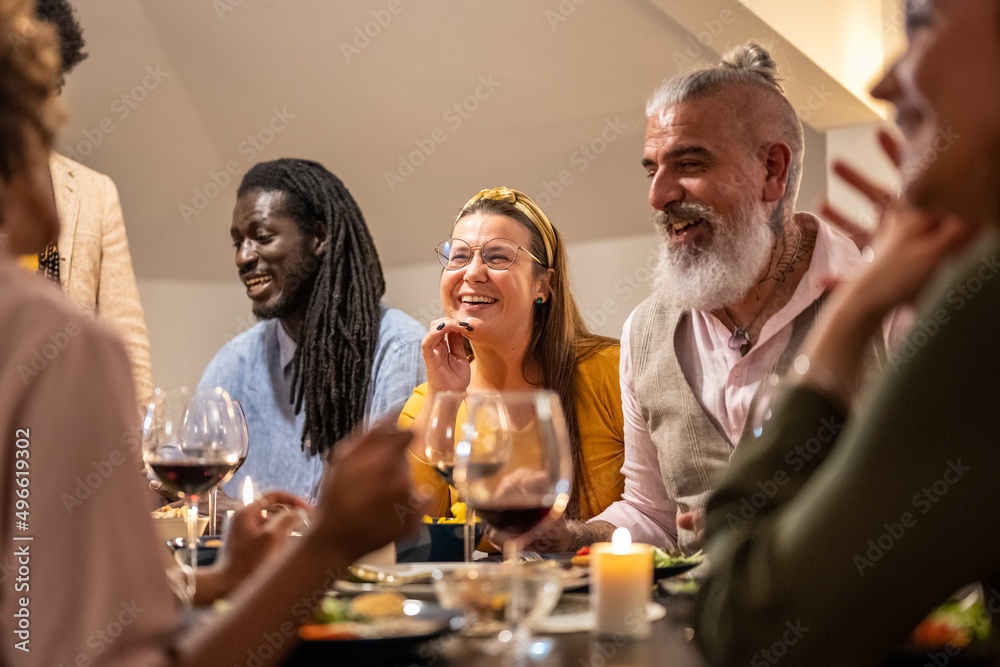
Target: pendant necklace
740,340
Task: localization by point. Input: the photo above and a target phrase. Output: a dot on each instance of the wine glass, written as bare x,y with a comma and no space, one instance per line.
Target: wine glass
514,467
213,496
439,451
190,443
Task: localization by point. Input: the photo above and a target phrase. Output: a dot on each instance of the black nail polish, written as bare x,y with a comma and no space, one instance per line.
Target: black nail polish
441,326
463,324
469,328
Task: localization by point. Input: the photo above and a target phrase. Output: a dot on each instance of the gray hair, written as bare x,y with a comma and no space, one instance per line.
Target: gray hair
752,68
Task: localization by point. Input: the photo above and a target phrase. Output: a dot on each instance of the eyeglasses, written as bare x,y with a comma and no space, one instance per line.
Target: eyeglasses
498,254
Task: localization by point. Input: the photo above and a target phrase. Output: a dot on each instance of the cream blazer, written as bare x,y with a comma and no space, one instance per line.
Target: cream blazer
95,266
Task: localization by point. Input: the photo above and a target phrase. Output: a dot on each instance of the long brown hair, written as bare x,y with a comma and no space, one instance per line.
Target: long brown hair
560,339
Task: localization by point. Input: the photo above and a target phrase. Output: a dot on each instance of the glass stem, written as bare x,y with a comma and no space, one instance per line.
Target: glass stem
516,602
470,533
190,565
213,507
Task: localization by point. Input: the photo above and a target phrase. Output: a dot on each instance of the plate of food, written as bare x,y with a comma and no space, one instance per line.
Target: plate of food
664,565
385,625
171,524
573,614
208,548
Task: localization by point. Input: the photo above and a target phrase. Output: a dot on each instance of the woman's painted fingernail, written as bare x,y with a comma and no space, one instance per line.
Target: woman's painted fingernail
469,328
441,326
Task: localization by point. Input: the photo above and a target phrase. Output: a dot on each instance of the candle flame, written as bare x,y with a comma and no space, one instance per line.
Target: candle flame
247,491
621,541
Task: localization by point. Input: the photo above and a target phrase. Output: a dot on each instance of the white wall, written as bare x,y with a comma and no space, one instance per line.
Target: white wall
189,321
857,146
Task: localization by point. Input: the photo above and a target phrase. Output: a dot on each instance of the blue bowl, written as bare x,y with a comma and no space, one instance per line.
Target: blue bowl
435,542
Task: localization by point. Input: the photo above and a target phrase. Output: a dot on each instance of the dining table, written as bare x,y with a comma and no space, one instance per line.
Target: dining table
669,644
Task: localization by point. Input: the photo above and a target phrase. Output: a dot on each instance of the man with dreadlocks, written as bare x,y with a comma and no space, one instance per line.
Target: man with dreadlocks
327,354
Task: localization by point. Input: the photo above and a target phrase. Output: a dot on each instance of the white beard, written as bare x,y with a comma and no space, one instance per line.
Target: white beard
720,273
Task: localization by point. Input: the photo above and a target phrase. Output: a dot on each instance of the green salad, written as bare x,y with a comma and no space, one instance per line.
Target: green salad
662,559
335,610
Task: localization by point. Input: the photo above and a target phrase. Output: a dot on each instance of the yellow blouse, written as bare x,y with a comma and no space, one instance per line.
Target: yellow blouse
599,414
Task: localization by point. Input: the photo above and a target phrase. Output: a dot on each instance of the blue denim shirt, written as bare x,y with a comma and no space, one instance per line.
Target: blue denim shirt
256,369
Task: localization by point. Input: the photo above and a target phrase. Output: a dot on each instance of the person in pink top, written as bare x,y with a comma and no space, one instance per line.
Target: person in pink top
740,280
82,575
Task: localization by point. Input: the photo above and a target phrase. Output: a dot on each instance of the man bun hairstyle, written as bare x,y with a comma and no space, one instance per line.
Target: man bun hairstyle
750,75
752,60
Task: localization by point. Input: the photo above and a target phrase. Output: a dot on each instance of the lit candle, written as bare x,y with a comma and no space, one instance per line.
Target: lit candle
621,576
247,491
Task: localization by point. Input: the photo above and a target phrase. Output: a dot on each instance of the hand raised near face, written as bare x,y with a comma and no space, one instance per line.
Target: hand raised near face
906,246
444,356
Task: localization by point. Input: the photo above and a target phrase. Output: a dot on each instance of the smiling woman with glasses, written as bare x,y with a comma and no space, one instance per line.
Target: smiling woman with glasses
510,323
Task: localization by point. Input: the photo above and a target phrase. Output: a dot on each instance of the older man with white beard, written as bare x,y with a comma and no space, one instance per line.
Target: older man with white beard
740,280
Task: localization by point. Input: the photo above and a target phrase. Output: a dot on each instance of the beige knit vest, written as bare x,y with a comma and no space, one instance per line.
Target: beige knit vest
690,449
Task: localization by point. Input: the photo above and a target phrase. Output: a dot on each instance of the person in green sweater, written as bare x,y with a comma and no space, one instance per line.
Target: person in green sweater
838,529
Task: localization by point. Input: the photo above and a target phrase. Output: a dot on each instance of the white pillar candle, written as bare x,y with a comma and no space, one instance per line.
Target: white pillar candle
621,579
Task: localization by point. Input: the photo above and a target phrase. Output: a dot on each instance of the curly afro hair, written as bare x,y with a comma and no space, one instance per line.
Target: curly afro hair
29,66
62,15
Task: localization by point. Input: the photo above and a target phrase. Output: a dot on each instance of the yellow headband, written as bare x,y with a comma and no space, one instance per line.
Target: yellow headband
523,203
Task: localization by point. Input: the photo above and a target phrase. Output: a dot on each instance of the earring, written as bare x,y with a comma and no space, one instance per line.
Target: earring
538,300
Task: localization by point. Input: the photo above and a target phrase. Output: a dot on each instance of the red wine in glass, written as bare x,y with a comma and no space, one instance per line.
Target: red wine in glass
513,520
191,478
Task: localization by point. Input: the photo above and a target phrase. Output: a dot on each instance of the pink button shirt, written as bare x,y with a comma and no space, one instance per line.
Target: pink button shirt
724,382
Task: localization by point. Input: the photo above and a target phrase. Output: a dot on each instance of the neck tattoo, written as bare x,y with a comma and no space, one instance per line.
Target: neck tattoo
740,340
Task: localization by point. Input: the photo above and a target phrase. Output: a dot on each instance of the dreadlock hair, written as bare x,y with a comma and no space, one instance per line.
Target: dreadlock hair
61,14
336,347
559,341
